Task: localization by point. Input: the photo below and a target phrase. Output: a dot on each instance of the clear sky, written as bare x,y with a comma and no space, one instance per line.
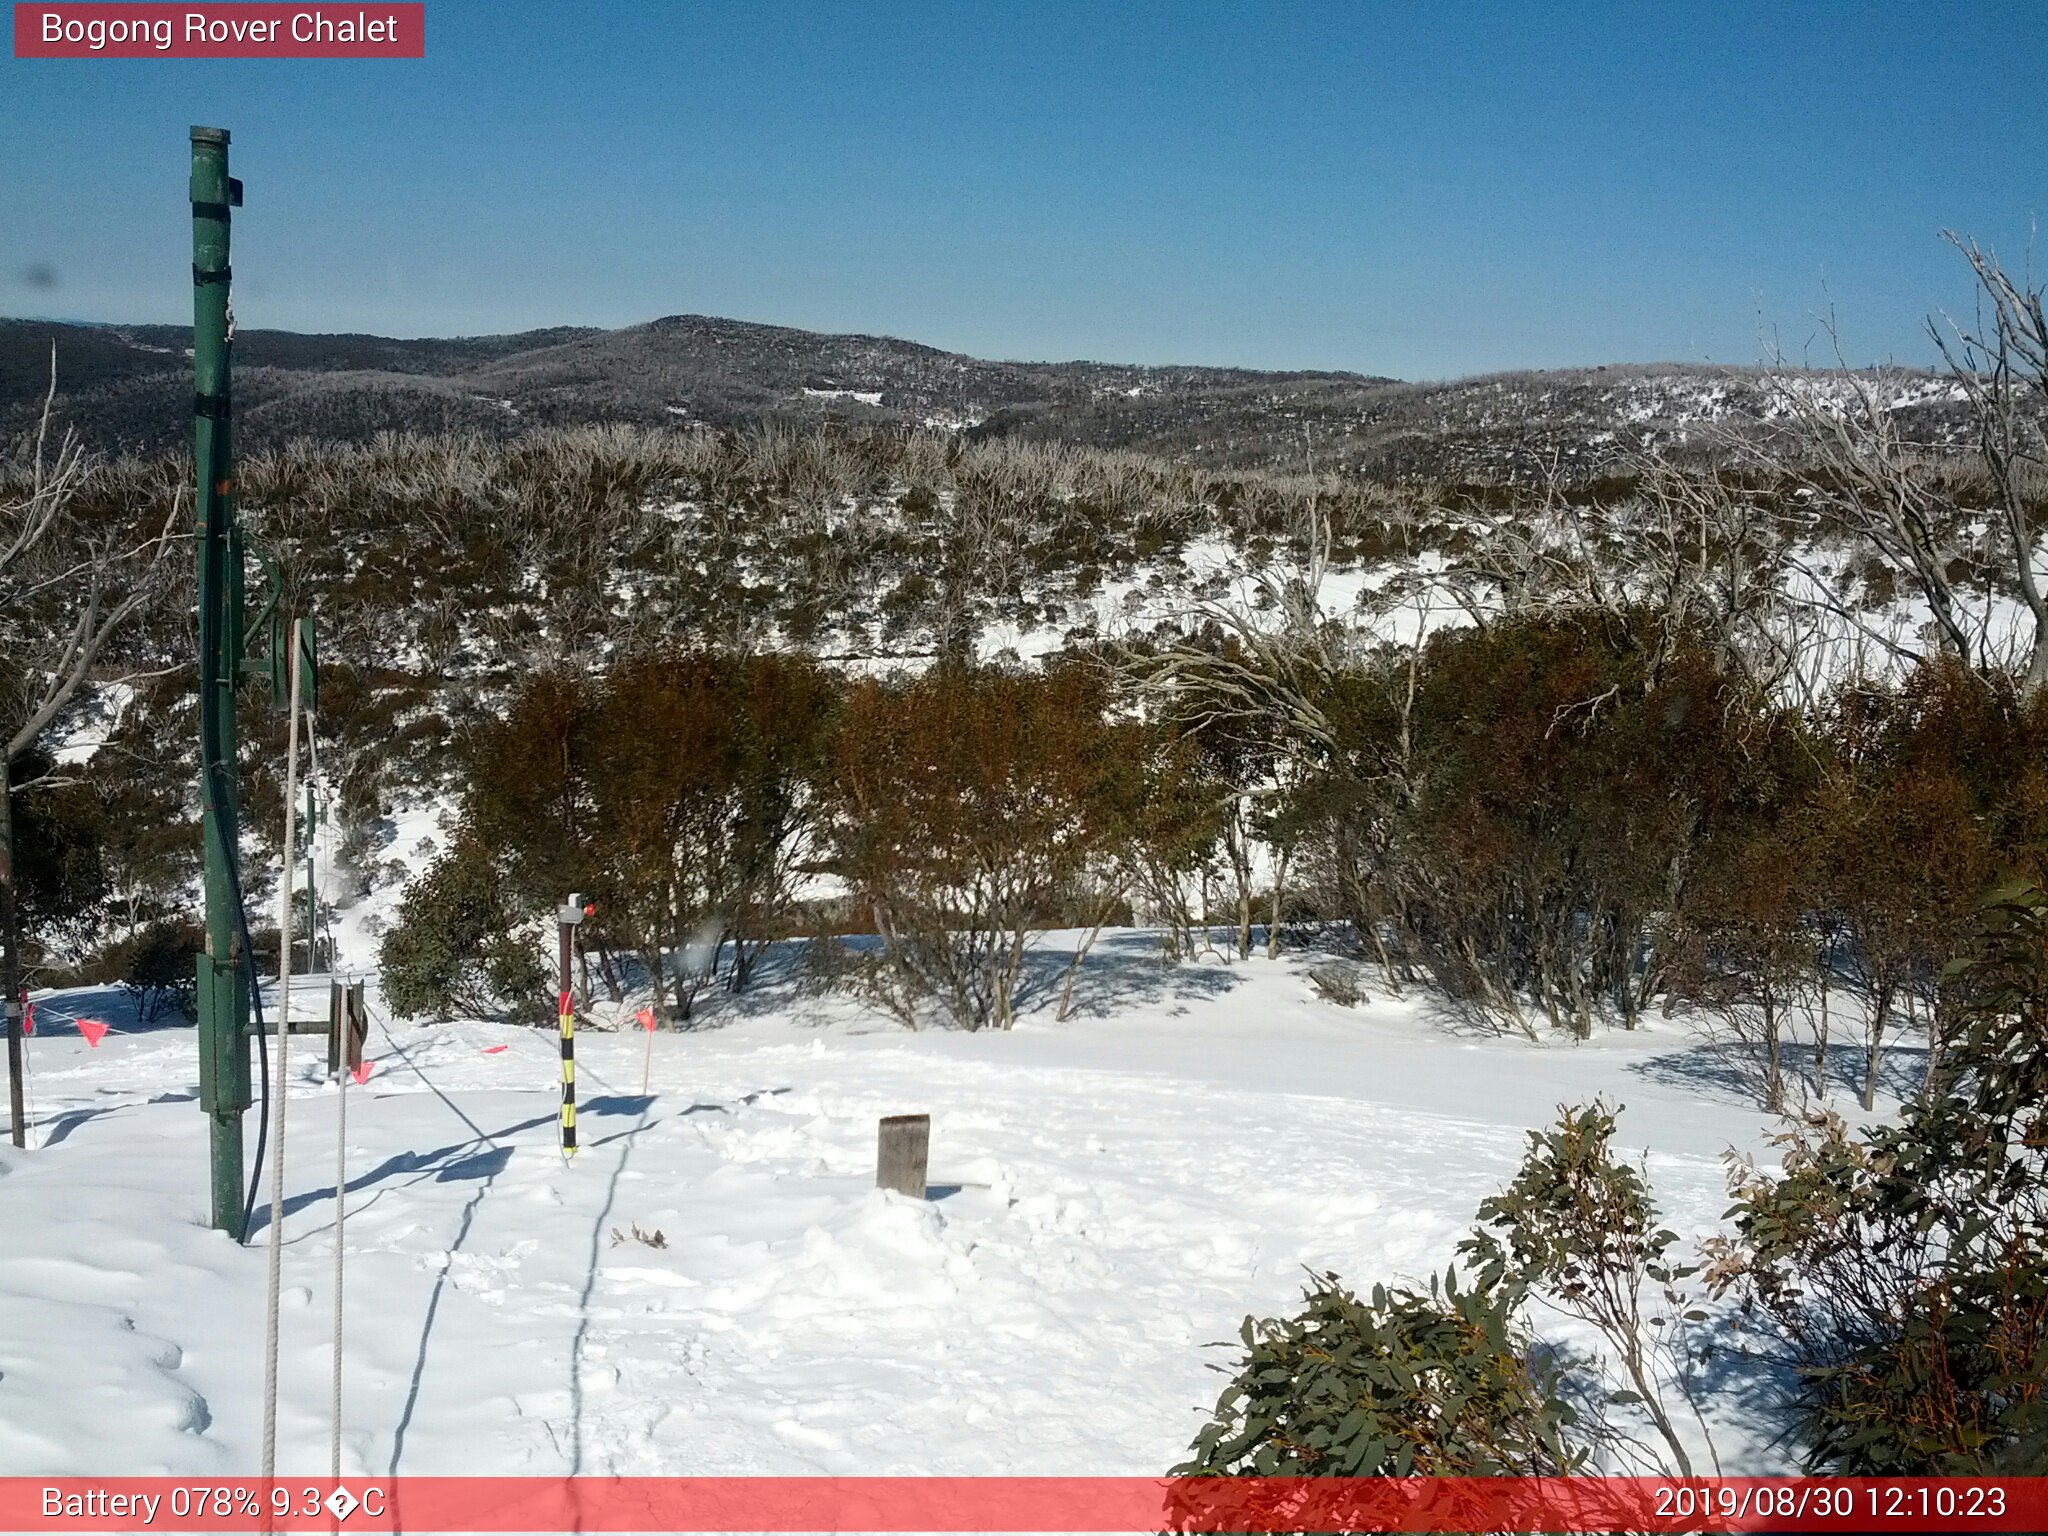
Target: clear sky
1423,190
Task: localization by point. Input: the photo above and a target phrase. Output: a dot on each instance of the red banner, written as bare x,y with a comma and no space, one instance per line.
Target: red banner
214,31
1079,1504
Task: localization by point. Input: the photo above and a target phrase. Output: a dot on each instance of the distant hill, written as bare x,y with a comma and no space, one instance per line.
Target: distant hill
130,385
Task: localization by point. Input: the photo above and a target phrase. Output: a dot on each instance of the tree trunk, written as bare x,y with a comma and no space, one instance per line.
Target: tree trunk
1012,972
1102,915
1933,1050
1279,887
1873,1044
610,973
1820,1038
10,958
650,959
1774,1082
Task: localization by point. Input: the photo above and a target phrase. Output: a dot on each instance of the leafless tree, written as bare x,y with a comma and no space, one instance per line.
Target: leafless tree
1961,529
2000,365
1269,675
67,586
1700,554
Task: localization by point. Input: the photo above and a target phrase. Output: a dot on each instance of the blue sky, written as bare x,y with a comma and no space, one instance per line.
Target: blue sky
1409,189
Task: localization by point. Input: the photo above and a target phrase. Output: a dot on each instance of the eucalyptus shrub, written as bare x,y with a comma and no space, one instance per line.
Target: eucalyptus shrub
1577,1227
1904,1268
456,948
1438,1384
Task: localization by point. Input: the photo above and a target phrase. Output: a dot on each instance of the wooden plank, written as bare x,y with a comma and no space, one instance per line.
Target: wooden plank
902,1152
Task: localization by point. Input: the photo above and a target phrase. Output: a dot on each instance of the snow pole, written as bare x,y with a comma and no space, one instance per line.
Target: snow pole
572,912
568,1074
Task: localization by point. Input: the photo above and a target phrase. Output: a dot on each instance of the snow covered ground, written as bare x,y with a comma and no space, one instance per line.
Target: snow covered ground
1109,1196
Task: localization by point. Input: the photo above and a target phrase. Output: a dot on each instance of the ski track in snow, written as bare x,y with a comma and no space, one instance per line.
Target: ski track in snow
1110,1196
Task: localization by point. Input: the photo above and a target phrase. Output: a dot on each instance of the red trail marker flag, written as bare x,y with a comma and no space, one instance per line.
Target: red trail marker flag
93,1030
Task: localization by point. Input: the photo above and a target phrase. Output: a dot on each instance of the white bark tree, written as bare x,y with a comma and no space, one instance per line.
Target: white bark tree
1961,531
67,586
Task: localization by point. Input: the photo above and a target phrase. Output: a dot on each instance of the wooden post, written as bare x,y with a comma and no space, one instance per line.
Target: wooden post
903,1149
337,1021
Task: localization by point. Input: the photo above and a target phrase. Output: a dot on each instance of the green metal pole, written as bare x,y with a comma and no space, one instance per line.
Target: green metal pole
223,981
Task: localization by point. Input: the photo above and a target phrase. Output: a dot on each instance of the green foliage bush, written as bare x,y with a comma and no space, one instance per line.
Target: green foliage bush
455,949
159,966
1577,1227
1904,1269
1401,1383
59,857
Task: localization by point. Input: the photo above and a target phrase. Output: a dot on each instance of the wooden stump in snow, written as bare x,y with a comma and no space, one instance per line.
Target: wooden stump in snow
903,1149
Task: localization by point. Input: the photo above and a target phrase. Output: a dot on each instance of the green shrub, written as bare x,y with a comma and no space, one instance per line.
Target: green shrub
456,949
159,967
1402,1384
1903,1270
1577,1227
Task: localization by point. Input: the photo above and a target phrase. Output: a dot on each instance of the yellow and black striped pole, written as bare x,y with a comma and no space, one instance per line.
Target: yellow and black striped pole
568,1074
573,911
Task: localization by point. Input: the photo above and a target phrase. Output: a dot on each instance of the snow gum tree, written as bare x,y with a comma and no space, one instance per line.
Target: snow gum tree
1577,1227
966,805
702,775
677,788
1963,531
73,575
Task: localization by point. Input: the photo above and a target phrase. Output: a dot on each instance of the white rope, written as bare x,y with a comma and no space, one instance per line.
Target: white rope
317,805
345,1022
344,1025
278,1091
